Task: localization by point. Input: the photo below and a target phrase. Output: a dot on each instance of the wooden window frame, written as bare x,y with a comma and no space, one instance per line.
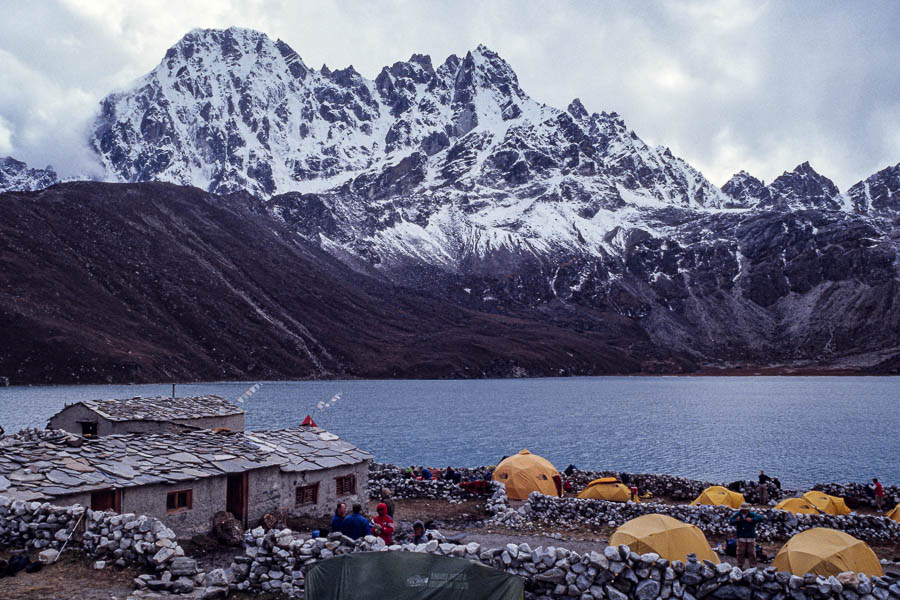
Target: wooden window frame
116,499
340,485
300,494
175,507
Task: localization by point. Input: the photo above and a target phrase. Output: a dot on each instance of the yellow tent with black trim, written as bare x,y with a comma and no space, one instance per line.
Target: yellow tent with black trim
830,505
668,537
607,488
825,552
716,495
798,506
524,473
895,513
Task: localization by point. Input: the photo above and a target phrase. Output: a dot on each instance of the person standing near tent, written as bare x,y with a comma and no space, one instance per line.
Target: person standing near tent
338,519
745,522
384,522
879,494
356,525
763,487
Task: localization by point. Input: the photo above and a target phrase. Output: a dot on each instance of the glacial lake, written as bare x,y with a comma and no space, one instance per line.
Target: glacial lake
802,429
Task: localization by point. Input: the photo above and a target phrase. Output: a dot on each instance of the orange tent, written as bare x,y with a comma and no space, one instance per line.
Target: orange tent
895,513
825,552
798,506
830,505
524,473
606,488
668,537
716,495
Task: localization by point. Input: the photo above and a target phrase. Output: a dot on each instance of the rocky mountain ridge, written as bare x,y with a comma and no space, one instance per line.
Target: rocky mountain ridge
454,186
232,109
16,175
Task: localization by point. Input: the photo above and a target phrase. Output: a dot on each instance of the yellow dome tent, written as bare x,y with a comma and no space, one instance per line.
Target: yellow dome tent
830,505
668,537
717,495
607,488
895,513
826,552
798,506
524,473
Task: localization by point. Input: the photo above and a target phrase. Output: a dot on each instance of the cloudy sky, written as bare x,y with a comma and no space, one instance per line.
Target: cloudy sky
728,85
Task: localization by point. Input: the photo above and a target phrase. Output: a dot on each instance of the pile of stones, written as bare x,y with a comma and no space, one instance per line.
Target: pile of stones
778,524
392,477
32,434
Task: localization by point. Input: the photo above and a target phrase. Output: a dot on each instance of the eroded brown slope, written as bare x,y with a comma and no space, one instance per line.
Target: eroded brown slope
156,282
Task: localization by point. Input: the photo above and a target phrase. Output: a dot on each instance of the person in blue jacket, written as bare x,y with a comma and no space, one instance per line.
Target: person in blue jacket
745,522
426,474
338,519
356,525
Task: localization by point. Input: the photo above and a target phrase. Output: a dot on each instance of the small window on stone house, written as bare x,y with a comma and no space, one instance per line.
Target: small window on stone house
346,485
180,500
306,494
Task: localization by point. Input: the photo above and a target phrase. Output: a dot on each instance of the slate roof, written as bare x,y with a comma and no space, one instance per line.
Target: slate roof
162,408
59,463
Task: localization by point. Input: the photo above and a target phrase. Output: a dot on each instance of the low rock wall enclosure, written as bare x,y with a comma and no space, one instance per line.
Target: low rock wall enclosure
276,561
778,525
122,540
539,509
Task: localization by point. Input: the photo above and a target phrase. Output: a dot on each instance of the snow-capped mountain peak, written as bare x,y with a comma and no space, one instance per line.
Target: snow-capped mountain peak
801,188
231,109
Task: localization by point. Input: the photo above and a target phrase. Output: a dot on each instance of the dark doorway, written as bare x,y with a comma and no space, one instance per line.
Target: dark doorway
236,496
88,429
107,500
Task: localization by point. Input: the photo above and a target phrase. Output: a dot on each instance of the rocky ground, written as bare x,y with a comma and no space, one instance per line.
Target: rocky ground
73,577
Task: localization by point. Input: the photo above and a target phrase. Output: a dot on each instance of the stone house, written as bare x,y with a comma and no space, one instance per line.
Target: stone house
147,415
184,479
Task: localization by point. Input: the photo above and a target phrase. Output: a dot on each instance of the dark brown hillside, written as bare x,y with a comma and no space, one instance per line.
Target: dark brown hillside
156,282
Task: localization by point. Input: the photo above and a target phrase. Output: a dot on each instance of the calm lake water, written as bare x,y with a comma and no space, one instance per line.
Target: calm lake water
802,429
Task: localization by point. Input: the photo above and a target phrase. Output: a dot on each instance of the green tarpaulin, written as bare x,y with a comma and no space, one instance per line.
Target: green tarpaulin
409,576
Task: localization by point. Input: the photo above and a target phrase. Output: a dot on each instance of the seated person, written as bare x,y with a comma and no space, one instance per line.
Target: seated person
418,535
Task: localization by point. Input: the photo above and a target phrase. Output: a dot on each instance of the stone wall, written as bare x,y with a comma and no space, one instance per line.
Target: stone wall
779,525
133,539
277,562
670,486
855,494
327,492
391,477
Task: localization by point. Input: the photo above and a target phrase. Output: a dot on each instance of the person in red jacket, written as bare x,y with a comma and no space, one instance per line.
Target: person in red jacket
384,522
879,493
